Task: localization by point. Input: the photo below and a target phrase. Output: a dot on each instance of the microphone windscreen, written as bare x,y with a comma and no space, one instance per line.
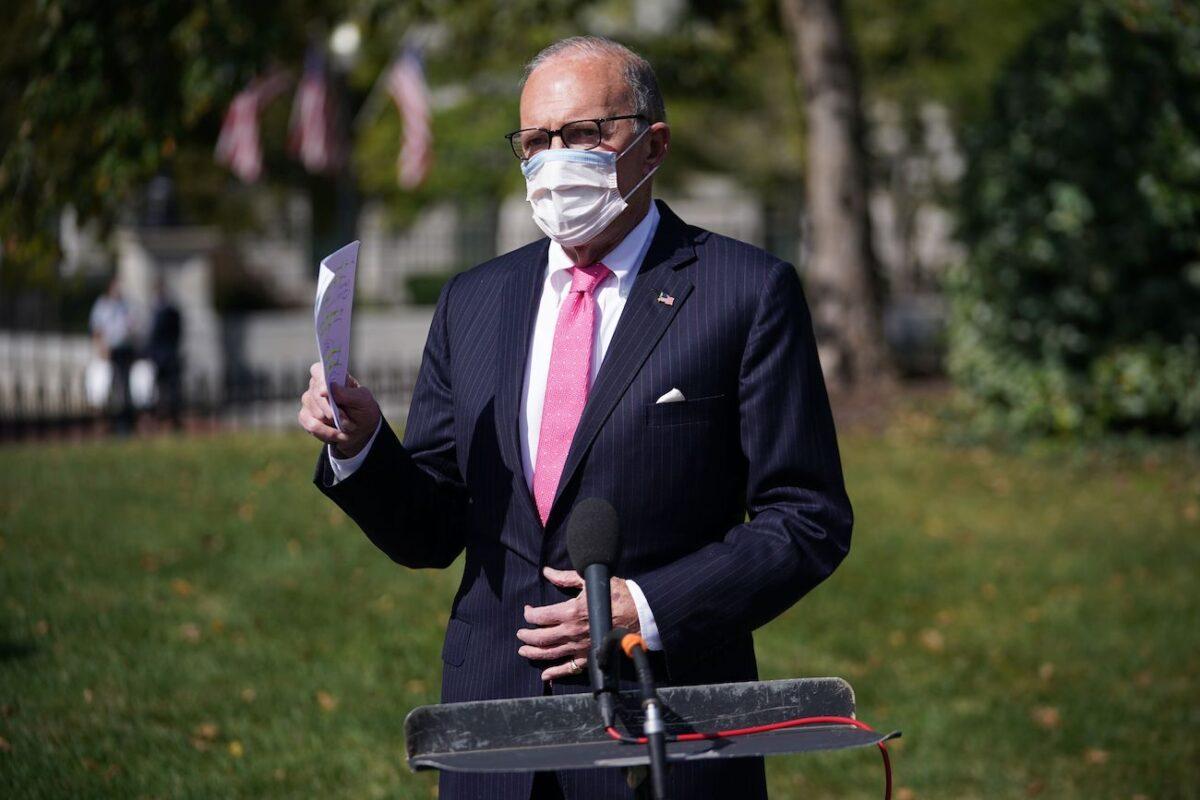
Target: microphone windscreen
592,534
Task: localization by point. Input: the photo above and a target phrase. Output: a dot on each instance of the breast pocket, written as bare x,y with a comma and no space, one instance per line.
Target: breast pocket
700,411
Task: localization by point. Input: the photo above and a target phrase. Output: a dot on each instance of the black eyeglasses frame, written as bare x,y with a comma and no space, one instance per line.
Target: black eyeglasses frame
550,134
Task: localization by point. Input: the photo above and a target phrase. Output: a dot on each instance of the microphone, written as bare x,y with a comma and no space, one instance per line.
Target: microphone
593,541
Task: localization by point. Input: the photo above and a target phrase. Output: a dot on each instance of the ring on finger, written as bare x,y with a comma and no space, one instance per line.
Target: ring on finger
576,667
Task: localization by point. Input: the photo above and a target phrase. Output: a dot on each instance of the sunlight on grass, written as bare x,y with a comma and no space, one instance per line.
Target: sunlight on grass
191,618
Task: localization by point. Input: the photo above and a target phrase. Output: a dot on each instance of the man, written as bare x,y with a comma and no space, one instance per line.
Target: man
111,325
629,357
162,348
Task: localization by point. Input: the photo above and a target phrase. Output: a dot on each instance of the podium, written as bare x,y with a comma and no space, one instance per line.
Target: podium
565,732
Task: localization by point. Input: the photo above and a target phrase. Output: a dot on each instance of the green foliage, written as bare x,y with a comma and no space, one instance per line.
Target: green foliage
425,288
1079,306
99,97
190,618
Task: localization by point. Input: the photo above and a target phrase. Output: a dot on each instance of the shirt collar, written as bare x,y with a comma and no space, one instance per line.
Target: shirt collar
623,260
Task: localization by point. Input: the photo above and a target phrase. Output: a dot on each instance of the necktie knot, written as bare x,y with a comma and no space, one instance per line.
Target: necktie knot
586,279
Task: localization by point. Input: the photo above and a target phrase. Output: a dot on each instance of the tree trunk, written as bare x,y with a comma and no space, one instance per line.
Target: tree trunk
842,275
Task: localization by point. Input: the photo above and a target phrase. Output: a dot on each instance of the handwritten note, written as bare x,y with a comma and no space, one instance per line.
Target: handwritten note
331,315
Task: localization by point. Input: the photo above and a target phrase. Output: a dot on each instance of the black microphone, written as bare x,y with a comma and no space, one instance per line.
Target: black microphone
593,541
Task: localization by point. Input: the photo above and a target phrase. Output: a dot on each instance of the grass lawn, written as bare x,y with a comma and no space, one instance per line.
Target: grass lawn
189,618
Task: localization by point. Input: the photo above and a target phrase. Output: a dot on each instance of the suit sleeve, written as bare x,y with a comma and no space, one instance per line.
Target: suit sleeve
798,515
409,498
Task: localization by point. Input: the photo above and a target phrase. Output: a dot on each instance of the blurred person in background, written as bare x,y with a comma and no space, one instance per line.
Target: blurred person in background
628,356
112,328
163,351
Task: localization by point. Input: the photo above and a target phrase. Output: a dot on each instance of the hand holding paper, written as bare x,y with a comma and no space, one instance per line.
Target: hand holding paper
334,408
331,315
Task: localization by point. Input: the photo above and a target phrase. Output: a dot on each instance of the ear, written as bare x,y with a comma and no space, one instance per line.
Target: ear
660,143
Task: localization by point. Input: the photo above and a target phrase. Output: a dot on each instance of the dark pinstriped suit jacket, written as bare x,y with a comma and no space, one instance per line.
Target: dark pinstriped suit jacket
732,504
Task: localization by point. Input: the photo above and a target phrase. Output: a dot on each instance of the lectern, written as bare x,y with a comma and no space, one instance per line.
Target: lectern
565,732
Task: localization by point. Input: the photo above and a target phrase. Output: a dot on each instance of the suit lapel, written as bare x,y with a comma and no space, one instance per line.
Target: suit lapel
643,322
518,311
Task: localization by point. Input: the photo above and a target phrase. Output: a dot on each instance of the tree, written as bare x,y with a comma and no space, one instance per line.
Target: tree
101,96
842,272
1079,305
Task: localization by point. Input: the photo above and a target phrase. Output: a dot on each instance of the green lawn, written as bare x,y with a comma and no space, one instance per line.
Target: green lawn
191,619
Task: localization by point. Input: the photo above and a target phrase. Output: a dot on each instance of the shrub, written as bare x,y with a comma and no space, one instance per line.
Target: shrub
1079,305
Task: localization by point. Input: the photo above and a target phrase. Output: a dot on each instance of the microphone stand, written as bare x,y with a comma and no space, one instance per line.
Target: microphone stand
656,739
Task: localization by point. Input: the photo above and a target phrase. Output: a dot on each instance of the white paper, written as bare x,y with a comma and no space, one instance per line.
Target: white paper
331,316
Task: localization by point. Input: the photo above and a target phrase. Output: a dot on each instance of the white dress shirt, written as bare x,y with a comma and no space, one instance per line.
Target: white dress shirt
624,261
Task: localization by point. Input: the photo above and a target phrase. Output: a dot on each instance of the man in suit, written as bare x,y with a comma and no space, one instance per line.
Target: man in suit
629,357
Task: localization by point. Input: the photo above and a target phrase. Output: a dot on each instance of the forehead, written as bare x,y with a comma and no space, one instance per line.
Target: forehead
574,87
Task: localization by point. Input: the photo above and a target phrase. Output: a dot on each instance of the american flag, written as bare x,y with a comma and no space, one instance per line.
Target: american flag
312,131
238,146
406,84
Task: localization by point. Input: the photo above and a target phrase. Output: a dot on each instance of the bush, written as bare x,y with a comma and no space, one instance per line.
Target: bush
1079,305
424,288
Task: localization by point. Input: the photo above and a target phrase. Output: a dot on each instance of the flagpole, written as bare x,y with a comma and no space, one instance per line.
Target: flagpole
370,106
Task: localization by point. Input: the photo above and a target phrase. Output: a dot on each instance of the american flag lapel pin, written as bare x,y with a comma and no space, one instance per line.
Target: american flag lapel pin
666,299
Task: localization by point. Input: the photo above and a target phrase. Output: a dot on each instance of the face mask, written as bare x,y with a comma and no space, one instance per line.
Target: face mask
574,192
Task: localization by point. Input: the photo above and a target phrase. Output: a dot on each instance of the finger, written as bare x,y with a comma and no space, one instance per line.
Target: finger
565,670
317,386
565,578
317,407
566,611
562,651
317,371
323,432
351,382
554,636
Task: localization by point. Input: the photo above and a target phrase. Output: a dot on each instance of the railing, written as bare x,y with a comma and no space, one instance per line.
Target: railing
54,404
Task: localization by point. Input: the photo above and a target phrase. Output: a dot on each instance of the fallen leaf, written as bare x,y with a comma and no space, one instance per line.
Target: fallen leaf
217,626
7,710
1144,678
248,694
5,747
1191,512
988,590
932,640
150,563
1047,717
1095,756
326,701
293,546
41,628
207,730
1046,671
181,587
190,632
200,745
280,773
897,638
88,696
1034,788
246,512
905,793
414,686
236,750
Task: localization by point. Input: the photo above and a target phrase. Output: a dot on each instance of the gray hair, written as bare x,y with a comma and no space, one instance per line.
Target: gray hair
637,72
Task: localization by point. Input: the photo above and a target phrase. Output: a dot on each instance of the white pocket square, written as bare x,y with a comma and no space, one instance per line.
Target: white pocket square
673,396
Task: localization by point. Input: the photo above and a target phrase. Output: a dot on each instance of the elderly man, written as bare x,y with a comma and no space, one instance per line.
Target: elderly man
629,357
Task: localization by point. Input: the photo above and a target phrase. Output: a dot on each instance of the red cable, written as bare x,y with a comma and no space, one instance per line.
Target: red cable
775,726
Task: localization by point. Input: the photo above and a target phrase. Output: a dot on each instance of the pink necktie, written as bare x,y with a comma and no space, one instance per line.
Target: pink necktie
567,382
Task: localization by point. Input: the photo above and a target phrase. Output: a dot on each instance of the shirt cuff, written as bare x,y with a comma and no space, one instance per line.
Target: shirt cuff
343,468
649,629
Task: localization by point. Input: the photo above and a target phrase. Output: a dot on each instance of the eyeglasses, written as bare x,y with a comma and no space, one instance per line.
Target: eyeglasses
580,134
